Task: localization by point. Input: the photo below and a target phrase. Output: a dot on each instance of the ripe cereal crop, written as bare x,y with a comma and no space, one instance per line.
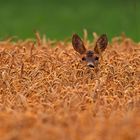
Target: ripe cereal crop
48,93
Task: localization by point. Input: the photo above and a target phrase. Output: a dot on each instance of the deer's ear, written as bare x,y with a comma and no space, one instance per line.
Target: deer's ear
101,44
78,44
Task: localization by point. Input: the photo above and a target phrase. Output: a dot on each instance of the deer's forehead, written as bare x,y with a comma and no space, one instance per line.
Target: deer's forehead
90,53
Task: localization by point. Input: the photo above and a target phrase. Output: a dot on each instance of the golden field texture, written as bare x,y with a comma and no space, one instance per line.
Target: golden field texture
48,93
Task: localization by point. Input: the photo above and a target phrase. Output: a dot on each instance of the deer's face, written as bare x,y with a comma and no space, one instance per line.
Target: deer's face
91,57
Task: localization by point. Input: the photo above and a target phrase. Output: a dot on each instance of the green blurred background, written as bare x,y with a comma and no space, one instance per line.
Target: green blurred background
58,19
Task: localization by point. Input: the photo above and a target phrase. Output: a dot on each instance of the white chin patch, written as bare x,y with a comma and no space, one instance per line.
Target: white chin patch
90,64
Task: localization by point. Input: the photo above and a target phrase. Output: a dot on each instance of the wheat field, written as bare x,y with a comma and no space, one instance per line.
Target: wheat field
48,93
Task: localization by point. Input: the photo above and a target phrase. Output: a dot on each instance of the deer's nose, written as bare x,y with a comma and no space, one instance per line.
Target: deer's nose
90,65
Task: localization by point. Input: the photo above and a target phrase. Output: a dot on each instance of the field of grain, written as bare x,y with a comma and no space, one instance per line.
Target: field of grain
48,93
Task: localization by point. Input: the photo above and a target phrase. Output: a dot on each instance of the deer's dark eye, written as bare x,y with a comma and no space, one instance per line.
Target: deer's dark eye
83,58
96,58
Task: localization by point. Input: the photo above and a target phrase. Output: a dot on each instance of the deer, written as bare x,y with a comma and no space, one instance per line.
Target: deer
91,57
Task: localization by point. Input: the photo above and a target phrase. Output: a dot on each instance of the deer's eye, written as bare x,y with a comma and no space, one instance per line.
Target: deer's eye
83,58
96,58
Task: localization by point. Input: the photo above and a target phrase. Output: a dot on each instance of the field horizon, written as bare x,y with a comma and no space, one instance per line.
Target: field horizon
60,19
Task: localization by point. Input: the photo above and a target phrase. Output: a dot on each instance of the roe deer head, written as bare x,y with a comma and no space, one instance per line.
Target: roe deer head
90,56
